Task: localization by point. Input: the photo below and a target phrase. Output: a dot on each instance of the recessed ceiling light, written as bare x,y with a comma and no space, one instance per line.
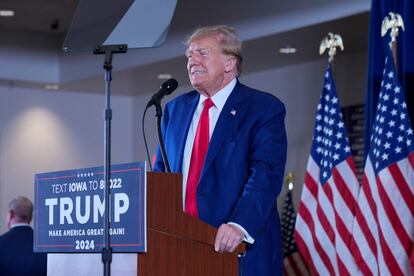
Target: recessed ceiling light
287,50
52,86
164,76
6,13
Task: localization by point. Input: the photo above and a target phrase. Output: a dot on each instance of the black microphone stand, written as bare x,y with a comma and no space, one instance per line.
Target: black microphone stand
108,51
158,114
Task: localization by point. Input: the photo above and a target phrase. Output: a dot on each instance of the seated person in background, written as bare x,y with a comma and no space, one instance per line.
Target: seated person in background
16,246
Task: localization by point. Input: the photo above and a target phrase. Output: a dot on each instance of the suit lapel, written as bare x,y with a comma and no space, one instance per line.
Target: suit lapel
227,120
181,128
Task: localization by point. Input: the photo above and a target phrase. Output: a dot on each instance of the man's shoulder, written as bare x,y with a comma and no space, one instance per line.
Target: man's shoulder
260,98
6,237
185,97
183,101
3,237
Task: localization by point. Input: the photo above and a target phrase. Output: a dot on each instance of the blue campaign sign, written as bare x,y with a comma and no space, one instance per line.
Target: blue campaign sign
69,209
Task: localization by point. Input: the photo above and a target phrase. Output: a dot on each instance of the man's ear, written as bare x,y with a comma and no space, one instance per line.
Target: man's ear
230,64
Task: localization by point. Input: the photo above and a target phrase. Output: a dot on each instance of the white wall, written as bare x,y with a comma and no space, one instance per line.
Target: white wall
42,131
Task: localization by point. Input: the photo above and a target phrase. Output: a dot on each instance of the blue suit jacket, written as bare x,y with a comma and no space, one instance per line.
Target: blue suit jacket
243,171
16,254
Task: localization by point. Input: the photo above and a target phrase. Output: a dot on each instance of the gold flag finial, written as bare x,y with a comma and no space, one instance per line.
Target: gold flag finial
392,21
289,180
331,42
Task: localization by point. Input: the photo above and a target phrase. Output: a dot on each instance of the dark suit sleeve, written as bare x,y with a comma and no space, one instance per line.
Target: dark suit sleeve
268,147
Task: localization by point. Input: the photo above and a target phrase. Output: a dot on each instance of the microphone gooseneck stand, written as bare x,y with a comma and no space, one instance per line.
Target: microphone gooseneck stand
158,114
108,51
166,89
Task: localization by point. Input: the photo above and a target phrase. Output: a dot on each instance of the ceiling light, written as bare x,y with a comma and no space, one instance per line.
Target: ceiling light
52,86
287,50
164,76
6,13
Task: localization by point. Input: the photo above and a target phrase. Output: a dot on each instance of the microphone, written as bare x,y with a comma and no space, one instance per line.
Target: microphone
166,89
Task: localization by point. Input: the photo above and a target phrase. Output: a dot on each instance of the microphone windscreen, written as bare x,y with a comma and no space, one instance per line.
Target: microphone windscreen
170,85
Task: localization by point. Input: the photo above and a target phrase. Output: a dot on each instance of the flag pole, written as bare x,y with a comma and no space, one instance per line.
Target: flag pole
289,180
331,42
394,22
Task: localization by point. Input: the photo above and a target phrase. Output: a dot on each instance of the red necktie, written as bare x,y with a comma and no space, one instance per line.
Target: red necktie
198,155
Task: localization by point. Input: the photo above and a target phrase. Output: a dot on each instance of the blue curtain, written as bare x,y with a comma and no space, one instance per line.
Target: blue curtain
376,55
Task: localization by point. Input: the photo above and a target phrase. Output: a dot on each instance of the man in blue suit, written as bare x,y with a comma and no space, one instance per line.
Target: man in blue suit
232,153
16,246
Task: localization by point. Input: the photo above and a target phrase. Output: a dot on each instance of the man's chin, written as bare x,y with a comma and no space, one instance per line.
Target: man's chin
197,84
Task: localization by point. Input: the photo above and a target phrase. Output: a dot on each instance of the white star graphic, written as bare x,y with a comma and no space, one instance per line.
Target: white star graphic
388,86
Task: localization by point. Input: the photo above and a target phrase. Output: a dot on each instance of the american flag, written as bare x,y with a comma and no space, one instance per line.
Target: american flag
384,229
293,263
328,202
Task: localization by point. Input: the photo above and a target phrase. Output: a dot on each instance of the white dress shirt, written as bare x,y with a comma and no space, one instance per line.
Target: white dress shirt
219,99
20,224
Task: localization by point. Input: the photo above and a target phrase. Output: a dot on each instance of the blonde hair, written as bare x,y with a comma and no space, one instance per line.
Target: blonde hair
226,37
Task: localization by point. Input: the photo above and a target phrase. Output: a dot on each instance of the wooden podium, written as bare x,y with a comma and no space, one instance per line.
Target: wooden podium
178,244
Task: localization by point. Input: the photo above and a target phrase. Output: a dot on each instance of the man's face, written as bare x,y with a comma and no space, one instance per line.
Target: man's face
206,66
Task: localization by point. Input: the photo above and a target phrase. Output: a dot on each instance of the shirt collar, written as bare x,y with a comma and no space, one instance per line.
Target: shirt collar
219,99
20,224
